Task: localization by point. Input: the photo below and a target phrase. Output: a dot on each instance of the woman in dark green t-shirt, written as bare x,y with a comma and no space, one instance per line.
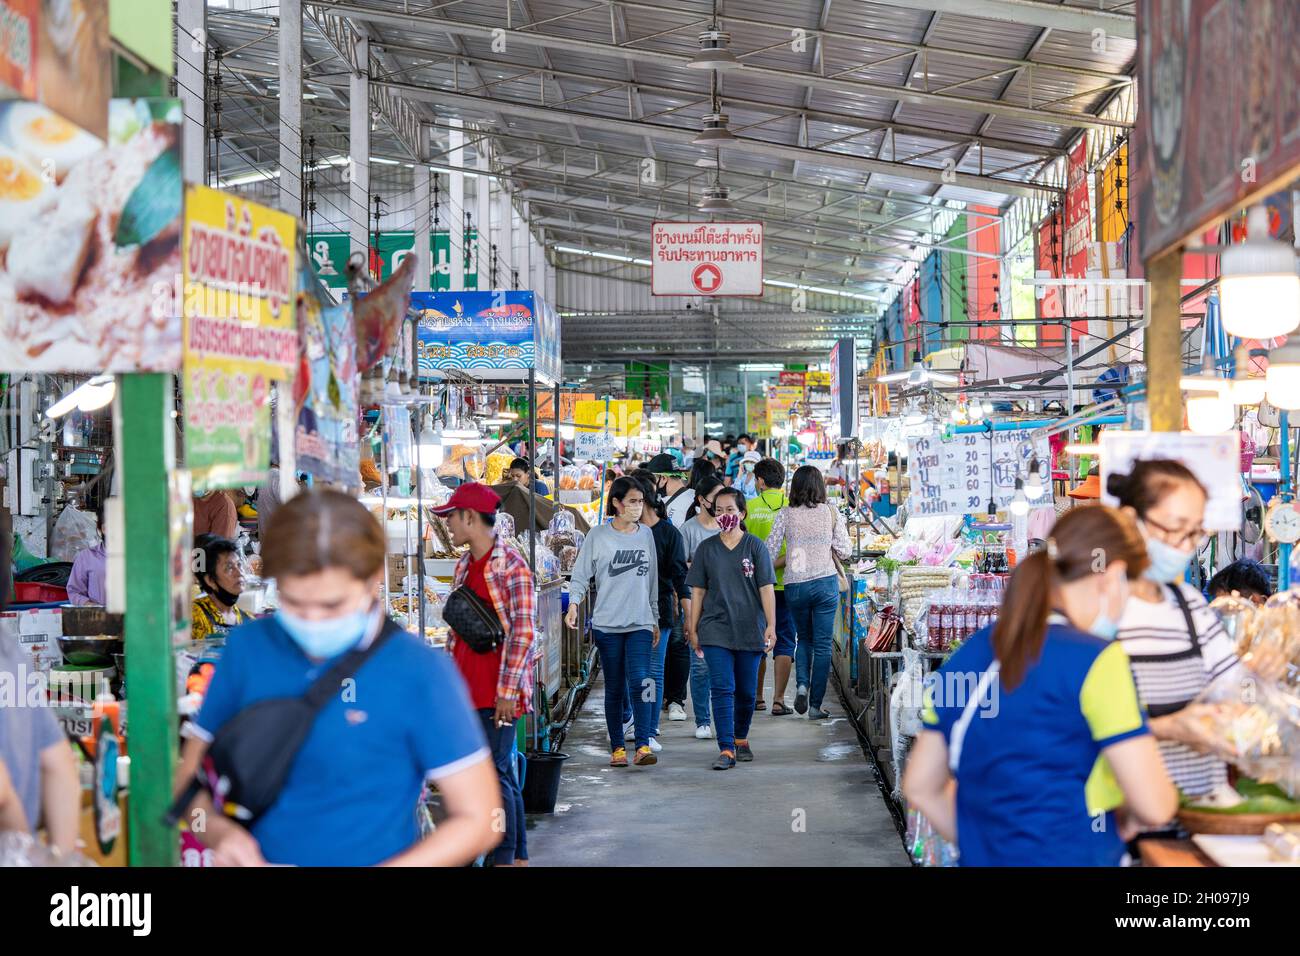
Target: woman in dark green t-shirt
733,613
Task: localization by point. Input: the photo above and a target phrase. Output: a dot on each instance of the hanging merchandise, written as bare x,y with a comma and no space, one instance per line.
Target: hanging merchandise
240,334
326,442
377,315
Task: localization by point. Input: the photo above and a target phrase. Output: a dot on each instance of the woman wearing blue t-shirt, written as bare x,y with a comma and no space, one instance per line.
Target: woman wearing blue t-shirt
351,795
1036,750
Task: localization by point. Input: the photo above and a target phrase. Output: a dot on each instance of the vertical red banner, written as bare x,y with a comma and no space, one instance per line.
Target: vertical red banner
983,283
1077,235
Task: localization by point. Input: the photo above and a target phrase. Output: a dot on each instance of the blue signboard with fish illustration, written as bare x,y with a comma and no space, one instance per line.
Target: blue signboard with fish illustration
490,334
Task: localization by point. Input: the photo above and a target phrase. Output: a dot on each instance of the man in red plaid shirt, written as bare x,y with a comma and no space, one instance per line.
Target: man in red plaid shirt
500,681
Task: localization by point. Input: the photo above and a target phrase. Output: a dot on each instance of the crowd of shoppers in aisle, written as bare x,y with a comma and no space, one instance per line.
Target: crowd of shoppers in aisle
1083,687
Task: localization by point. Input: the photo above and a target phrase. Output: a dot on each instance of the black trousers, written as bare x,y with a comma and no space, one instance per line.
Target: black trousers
677,667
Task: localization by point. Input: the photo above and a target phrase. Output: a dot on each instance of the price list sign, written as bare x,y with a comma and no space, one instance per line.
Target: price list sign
958,474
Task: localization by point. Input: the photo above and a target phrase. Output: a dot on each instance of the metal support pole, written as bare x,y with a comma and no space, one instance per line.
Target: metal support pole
359,153
1163,341
419,412
555,477
1069,367
423,248
1284,489
532,459
291,165
147,455
483,219
191,51
456,216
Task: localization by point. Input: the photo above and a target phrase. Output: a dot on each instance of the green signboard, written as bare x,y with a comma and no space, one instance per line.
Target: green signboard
329,251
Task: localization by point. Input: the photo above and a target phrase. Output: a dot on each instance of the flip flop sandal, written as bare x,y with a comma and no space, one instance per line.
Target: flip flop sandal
760,705
783,711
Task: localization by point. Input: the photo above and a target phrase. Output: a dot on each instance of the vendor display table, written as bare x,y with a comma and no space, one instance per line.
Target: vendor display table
1172,853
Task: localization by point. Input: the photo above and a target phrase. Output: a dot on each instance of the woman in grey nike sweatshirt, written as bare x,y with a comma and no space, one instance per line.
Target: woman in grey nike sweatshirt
619,558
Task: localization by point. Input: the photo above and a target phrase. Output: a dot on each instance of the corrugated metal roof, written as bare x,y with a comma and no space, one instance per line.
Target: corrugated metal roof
612,64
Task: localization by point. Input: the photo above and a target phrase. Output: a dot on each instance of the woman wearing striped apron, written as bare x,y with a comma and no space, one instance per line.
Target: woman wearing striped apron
1174,640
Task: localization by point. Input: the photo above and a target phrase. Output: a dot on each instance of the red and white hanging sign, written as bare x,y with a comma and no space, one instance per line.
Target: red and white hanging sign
706,258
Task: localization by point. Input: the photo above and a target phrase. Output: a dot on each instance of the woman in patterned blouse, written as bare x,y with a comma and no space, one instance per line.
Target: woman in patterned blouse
811,530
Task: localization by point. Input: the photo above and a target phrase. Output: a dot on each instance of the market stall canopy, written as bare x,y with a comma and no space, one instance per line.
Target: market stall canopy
514,502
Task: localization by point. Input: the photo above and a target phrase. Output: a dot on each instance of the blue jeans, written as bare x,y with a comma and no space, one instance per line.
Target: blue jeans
813,605
699,688
625,658
501,740
733,683
658,655
785,629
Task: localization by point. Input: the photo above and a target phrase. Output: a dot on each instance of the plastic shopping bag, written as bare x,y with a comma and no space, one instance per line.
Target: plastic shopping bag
74,531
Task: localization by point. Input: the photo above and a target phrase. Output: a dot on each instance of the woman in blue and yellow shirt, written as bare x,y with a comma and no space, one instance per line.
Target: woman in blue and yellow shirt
1036,751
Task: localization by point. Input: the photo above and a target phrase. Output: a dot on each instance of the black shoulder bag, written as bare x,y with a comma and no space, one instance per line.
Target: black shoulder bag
474,620
251,755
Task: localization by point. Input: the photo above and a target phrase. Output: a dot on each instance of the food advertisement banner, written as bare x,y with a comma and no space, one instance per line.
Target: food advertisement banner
90,236
330,250
1219,118
546,410
792,378
58,54
623,418
780,399
239,332
756,416
326,440
495,335
706,258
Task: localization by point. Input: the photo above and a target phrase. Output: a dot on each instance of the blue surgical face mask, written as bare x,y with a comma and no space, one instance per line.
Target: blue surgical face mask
326,638
1104,626
1168,564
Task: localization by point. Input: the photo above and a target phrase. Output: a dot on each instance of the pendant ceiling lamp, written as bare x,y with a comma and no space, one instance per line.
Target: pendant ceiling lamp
716,197
1283,376
919,375
714,132
714,53
1259,291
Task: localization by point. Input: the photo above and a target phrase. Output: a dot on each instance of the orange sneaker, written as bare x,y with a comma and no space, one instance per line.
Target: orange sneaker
644,757
618,758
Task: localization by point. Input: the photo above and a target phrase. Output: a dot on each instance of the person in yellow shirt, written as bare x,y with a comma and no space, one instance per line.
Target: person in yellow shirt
221,580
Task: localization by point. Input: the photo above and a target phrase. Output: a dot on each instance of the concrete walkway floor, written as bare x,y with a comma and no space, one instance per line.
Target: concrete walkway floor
808,799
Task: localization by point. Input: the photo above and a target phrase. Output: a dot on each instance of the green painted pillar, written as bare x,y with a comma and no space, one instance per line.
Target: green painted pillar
144,424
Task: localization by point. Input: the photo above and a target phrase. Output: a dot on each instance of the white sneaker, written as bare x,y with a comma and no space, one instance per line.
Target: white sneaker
704,732
629,730
655,746
676,712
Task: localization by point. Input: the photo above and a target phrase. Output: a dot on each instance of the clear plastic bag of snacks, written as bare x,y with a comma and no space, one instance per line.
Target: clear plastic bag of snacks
22,849
561,522
505,525
547,564
1256,723
588,477
569,478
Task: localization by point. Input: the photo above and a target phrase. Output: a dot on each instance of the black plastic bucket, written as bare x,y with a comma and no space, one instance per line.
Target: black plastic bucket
542,781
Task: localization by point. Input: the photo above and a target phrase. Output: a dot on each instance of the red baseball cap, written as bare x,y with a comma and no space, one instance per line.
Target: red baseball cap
472,496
